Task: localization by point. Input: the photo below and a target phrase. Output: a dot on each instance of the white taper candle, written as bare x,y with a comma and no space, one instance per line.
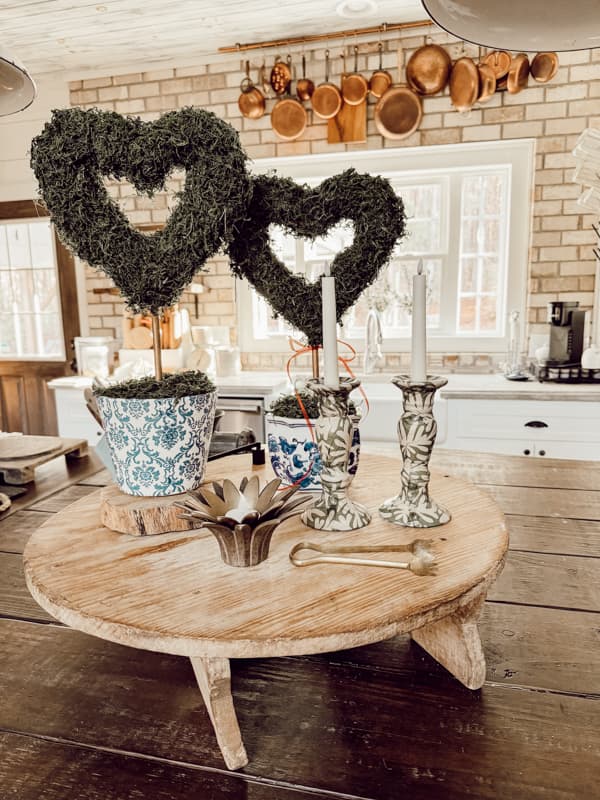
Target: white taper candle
330,348
418,359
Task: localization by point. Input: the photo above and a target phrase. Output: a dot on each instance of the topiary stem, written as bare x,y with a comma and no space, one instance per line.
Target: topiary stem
315,362
158,371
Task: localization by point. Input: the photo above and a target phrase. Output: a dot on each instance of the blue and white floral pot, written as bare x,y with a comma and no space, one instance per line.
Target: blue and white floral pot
159,446
294,454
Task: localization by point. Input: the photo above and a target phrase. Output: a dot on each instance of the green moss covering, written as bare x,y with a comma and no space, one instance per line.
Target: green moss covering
287,406
181,384
78,148
368,201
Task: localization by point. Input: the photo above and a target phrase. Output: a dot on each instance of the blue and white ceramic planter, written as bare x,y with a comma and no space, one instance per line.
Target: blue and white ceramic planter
159,446
294,454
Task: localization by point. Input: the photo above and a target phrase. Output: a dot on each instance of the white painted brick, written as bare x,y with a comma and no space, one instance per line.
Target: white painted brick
546,111
129,106
113,93
482,133
586,72
570,91
148,89
95,83
522,130
567,191
190,72
158,75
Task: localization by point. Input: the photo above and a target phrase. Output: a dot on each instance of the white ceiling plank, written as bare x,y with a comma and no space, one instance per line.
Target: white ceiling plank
96,34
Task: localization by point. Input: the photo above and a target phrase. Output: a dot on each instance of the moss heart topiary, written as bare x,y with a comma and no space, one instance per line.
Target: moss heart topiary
366,200
77,148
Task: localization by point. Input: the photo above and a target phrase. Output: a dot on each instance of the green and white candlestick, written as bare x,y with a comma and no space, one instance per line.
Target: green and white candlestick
417,430
333,510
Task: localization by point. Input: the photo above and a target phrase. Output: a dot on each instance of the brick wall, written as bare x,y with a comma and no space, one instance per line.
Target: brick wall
562,265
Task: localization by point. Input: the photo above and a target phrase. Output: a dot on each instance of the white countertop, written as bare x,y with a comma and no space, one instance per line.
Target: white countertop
497,386
465,386
490,386
246,383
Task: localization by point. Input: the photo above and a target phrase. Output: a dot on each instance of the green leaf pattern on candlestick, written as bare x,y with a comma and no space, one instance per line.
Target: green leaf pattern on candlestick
333,510
417,430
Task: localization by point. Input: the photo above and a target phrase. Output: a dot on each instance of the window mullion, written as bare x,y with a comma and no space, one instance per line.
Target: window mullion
451,263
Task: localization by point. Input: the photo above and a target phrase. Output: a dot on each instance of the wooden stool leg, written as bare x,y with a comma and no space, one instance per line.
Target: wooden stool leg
454,642
214,679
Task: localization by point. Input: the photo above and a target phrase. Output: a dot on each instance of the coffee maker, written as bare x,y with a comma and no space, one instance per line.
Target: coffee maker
567,323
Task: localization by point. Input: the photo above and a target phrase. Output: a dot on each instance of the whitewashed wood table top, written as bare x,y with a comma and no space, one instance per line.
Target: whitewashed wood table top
174,594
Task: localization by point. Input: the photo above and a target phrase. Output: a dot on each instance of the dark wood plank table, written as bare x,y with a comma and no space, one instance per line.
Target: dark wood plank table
81,717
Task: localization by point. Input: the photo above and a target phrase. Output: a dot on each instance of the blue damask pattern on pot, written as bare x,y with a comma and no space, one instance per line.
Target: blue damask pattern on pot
158,446
295,456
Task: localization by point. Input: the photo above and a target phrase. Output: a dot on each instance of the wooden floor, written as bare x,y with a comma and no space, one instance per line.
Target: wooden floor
83,719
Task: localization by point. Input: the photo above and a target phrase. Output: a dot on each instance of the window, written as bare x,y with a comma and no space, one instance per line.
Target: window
30,315
468,214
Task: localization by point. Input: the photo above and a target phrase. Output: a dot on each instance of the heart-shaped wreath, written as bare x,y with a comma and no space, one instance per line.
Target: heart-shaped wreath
368,201
77,148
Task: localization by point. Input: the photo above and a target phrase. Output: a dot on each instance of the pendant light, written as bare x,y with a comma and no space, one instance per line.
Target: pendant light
17,89
524,25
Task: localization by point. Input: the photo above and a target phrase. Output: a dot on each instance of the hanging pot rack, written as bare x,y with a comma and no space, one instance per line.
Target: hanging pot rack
379,30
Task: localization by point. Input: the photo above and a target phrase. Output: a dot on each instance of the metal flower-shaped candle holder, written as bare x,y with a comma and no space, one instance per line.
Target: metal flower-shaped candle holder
417,430
242,519
333,510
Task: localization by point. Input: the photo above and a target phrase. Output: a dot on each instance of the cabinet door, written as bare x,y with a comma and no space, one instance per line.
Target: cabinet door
588,451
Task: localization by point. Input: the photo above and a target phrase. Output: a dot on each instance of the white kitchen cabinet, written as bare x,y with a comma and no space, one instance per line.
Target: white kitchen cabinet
542,428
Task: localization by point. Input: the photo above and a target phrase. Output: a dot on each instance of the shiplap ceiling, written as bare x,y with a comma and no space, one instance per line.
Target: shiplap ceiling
49,35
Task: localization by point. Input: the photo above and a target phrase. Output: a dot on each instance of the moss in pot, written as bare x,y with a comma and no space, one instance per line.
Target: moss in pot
292,441
159,432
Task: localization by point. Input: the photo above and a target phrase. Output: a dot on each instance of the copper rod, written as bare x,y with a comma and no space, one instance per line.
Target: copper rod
322,37
158,372
315,362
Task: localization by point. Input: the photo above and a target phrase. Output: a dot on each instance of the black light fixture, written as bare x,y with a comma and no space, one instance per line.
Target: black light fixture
524,25
17,89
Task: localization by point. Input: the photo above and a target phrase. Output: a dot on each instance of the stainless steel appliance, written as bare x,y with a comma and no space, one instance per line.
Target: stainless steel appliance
242,413
567,322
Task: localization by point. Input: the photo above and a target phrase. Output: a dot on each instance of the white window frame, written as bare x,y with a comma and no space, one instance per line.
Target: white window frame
62,356
517,156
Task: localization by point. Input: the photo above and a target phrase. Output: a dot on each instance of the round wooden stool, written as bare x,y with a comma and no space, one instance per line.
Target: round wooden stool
173,594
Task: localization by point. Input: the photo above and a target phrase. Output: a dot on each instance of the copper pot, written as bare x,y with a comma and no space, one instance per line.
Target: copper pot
464,84
544,67
304,87
355,87
518,74
428,69
326,99
487,83
381,80
281,75
251,102
499,61
398,113
288,116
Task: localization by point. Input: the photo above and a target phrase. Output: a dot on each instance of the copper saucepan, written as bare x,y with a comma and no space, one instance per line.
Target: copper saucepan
354,86
398,112
464,84
281,75
544,67
251,102
428,69
381,80
326,99
499,61
487,83
518,74
304,87
288,116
